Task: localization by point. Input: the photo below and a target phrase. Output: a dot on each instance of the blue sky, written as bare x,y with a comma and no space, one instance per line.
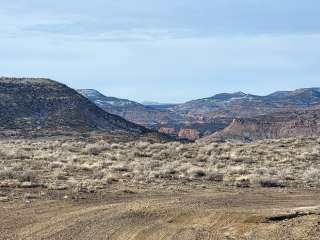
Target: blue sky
164,50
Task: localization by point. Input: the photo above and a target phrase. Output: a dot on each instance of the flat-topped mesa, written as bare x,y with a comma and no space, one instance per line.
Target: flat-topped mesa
27,80
28,104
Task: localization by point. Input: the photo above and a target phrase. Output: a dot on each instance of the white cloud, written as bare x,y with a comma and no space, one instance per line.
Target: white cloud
206,18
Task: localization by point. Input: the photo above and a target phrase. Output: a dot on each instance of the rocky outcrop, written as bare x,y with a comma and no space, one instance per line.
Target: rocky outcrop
190,134
169,131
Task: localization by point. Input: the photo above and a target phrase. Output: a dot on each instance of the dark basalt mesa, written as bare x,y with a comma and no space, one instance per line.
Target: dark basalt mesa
30,105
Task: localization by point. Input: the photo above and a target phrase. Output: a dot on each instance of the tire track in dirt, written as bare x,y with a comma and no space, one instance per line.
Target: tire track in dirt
198,215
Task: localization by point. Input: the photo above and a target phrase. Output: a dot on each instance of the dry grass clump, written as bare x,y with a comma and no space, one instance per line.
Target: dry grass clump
312,175
237,170
214,175
93,149
7,174
17,177
120,167
76,163
27,176
22,176
243,181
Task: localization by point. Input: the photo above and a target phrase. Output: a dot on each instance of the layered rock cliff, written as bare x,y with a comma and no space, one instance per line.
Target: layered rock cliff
303,123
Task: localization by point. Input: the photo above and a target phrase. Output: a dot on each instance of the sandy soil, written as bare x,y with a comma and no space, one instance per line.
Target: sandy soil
208,213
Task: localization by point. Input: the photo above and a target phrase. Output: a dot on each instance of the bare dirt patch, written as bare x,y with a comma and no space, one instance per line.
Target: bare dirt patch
189,213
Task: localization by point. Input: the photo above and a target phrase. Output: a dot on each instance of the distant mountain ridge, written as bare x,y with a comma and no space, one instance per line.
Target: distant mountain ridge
240,104
102,100
203,117
152,103
135,112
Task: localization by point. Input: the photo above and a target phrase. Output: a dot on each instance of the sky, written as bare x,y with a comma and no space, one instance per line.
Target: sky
163,50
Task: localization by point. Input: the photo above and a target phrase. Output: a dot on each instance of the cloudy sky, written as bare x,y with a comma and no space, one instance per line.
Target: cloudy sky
164,50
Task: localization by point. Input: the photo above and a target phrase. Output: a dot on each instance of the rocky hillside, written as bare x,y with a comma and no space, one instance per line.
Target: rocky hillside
130,110
43,104
302,123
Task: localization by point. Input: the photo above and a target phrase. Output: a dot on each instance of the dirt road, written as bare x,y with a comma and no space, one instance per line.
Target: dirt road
191,214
